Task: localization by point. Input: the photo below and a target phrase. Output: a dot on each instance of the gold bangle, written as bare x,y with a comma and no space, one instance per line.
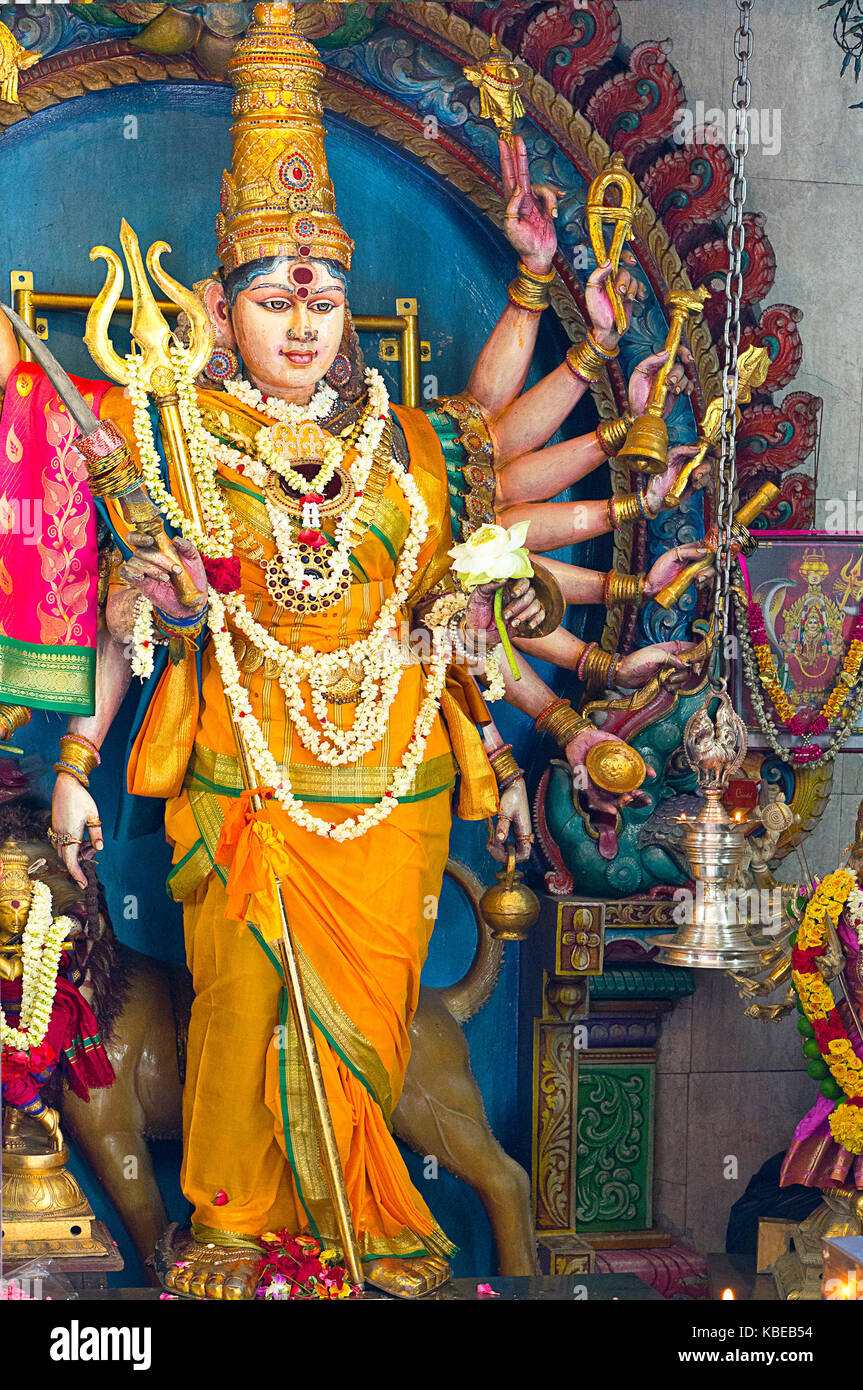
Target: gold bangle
585,362
72,772
504,766
623,588
625,509
13,718
78,755
563,723
530,291
538,278
611,434
596,666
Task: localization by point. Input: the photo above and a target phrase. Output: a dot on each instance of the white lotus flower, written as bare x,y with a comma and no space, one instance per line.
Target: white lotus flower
493,554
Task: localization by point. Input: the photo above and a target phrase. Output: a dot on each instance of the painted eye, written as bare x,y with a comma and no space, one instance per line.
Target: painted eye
322,306
277,306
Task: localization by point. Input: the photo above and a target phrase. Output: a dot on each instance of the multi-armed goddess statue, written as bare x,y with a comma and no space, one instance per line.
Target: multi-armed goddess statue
256,563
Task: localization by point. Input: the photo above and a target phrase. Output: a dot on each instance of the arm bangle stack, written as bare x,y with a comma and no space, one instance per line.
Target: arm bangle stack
596,665
622,588
585,362
78,757
530,290
506,769
611,434
623,509
561,721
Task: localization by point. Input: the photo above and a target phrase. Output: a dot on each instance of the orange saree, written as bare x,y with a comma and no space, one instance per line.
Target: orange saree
361,910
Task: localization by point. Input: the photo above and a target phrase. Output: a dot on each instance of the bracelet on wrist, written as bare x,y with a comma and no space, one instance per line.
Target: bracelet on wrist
530,290
623,509
603,352
73,772
622,588
562,722
504,766
78,756
611,434
596,666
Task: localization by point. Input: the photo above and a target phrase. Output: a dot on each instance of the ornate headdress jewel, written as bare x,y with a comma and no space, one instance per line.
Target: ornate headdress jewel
278,198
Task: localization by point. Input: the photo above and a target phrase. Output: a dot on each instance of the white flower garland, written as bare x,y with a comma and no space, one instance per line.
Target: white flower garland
854,911
378,653
143,638
268,770
322,404
41,949
496,689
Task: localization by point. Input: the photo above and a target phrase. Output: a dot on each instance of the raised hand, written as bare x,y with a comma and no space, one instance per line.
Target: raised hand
149,571
629,291
530,209
644,375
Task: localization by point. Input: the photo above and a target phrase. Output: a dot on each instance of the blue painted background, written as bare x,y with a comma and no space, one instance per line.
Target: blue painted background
76,175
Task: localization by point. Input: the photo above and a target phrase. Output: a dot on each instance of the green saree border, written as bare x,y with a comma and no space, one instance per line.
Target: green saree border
48,677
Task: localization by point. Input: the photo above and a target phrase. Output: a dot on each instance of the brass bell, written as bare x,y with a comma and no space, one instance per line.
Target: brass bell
509,906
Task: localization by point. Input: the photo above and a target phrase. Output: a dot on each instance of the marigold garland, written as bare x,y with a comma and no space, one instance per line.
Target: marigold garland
844,684
819,1009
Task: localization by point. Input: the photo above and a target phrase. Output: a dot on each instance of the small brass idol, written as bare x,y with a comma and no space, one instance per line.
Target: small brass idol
615,767
45,1212
509,906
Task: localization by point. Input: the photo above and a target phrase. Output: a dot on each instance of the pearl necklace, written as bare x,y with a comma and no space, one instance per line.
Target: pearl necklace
41,949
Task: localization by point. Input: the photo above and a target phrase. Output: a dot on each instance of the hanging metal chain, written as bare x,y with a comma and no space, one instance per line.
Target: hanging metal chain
735,241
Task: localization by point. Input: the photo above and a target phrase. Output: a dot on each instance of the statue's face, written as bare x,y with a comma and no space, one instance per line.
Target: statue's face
287,325
14,908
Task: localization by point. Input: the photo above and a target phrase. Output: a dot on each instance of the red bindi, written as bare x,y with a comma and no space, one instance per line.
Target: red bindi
302,274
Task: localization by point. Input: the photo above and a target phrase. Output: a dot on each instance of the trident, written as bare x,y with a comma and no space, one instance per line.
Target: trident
151,333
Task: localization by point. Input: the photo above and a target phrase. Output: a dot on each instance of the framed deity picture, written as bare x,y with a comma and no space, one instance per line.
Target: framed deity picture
809,588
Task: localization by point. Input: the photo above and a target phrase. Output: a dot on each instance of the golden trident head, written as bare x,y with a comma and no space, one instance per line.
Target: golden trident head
150,328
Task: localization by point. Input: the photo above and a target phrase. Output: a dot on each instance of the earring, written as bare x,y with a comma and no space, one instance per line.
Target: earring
223,365
339,371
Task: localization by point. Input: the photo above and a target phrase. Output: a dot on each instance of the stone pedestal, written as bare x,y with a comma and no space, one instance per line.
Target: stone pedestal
593,1001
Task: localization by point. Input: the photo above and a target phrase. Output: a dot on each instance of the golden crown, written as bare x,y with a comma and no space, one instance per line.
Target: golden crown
14,875
278,198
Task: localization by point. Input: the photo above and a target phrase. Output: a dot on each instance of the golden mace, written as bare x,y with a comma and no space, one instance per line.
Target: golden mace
758,502
646,446
153,336
613,174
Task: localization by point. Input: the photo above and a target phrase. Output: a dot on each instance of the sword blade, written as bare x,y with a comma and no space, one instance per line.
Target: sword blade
66,389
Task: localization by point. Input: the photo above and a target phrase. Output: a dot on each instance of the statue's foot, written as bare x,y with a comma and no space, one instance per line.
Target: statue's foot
209,1271
407,1278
